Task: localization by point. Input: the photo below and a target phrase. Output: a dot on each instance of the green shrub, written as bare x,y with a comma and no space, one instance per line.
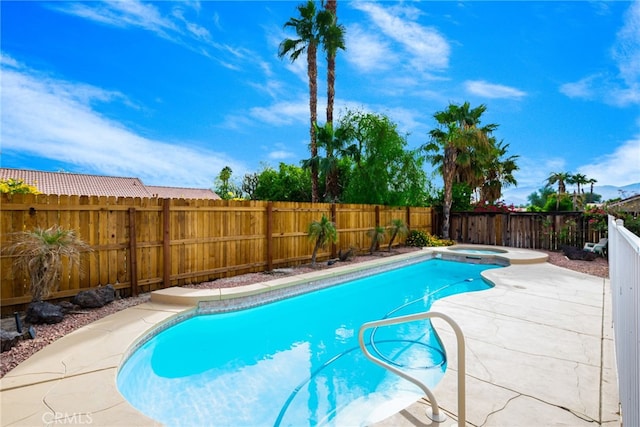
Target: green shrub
566,204
630,223
420,239
416,239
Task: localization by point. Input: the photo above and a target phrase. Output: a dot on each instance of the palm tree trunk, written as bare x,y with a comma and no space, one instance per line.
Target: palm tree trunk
331,91
393,237
313,109
315,250
448,174
332,179
332,6
373,245
331,184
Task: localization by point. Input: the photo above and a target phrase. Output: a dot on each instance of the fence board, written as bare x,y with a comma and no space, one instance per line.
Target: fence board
64,221
549,231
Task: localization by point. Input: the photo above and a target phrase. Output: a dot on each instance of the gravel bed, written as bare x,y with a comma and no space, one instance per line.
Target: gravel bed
46,334
598,267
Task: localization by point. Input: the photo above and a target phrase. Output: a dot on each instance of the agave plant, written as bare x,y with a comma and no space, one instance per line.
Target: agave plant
40,253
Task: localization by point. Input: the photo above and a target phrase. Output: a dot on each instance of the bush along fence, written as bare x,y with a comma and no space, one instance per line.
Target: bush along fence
545,230
139,245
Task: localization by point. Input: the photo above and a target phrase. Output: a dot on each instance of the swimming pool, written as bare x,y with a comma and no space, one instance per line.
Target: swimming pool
297,361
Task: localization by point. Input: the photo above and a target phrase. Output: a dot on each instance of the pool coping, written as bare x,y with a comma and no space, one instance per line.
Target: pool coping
286,287
52,386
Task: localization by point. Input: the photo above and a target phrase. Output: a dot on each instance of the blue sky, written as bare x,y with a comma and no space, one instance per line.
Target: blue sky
172,92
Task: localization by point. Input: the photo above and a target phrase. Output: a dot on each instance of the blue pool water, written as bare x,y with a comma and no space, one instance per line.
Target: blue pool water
297,361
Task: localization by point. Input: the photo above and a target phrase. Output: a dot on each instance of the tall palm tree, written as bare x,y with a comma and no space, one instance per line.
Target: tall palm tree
223,187
333,143
306,29
591,181
499,174
580,180
560,178
458,129
332,38
472,165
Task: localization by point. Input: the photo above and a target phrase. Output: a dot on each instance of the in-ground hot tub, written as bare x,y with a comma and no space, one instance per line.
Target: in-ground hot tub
476,250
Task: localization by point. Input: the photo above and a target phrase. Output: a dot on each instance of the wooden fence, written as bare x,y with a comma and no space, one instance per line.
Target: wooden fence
544,230
140,245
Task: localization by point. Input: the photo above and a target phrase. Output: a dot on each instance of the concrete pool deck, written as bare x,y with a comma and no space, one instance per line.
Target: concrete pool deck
539,352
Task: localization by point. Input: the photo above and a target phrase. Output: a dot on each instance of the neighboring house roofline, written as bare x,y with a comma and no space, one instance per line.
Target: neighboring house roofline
76,184
630,204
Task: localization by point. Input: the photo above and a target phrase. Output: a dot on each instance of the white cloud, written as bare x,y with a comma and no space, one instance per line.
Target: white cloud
427,48
492,90
9,61
367,51
602,87
120,14
621,96
197,31
173,21
619,168
623,89
531,176
281,155
534,172
283,113
173,26
54,119
583,88
626,51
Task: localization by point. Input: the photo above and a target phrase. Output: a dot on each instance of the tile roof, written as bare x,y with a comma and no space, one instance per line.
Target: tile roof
63,183
630,204
182,193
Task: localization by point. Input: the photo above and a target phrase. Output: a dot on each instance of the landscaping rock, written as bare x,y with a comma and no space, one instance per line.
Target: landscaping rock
9,339
67,306
43,312
578,254
95,298
346,255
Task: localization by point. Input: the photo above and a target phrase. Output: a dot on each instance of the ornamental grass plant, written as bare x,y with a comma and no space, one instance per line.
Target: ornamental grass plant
41,253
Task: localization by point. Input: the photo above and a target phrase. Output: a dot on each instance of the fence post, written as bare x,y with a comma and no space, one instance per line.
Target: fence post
334,247
409,219
435,222
269,236
166,244
133,250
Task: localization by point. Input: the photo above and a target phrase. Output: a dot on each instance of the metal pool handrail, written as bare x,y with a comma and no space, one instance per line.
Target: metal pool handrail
433,413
